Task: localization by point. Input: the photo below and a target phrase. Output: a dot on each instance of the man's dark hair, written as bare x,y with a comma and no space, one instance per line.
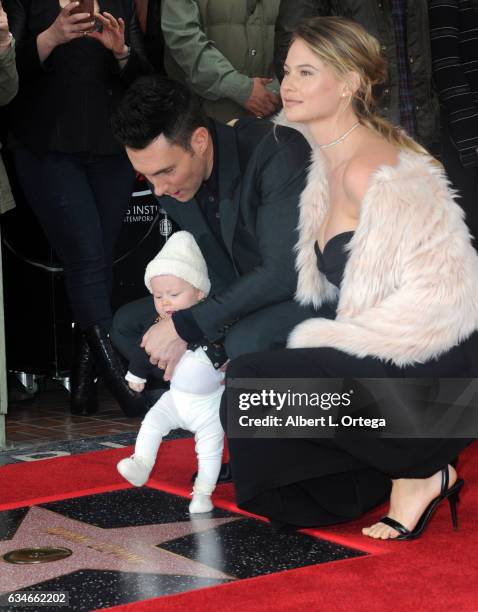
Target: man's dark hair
155,105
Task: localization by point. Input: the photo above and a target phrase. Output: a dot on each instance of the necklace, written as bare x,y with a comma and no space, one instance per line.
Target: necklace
340,138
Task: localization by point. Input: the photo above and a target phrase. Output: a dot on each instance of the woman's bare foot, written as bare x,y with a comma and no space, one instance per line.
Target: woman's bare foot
408,500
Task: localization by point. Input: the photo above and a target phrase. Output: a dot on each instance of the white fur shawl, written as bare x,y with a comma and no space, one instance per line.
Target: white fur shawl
410,286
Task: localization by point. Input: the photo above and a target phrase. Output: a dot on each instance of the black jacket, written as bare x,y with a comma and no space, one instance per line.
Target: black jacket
262,173
375,16
454,39
65,103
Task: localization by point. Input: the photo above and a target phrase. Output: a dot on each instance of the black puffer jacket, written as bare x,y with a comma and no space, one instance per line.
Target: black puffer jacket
375,16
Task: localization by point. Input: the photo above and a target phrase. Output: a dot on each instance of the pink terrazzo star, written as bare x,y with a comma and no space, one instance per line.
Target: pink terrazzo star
126,549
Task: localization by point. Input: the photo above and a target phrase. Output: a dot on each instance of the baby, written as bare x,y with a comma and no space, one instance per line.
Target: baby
178,278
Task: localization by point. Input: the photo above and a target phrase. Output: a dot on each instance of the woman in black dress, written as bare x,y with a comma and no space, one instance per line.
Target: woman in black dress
74,175
384,254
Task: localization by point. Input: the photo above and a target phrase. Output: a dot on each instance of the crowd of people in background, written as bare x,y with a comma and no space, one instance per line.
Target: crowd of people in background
82,117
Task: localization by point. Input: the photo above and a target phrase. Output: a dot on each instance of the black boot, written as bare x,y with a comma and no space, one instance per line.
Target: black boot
83,396
112,371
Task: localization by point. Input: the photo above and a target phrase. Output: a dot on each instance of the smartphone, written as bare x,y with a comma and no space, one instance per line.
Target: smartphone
85,6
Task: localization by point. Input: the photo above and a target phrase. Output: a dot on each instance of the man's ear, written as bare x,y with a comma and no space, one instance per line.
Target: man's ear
201,295
200,140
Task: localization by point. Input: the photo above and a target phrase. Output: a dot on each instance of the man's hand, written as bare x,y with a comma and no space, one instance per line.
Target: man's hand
261,102
164,347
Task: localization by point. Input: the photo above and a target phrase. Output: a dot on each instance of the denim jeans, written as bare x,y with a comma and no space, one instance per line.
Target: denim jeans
80,201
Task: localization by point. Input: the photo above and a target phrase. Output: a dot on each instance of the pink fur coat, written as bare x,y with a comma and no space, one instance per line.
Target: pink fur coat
410,286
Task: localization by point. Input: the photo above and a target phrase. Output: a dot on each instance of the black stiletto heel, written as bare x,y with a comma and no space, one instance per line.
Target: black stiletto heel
453,501
453,496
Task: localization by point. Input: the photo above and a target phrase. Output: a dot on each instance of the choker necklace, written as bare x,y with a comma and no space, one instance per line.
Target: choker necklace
340,138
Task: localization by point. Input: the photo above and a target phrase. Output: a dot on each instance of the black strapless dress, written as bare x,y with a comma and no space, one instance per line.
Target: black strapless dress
332,261
321,481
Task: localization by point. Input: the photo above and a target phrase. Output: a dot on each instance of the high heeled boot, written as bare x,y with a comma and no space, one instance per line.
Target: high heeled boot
112,371
83,395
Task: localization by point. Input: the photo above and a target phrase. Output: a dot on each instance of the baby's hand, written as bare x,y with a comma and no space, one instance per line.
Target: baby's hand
223,369
136,386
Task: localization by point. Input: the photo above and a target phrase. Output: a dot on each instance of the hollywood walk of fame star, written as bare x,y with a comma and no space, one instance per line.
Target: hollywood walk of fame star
127,549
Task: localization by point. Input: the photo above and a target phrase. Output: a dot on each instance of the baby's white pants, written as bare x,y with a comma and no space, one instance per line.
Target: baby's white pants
192,403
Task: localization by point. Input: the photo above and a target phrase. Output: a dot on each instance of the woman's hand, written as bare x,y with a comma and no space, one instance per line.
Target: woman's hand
112,34
5,35
65,28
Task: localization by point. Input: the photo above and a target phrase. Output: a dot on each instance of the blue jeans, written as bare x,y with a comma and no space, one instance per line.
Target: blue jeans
80,201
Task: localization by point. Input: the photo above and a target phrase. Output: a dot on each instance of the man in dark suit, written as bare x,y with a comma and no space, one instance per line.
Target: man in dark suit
236,189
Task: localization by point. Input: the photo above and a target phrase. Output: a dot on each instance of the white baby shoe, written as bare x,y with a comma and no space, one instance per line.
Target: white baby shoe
201,501
134,470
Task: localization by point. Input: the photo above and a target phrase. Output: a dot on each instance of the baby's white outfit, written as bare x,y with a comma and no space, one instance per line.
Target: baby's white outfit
192,403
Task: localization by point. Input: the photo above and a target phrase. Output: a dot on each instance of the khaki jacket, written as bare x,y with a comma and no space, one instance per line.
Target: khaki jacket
216,47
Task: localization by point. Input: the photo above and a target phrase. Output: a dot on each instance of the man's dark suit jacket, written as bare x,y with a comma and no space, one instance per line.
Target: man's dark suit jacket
261,174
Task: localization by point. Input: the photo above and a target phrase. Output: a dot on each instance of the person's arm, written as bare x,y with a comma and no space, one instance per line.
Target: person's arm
32,52
452,84
290,14
123,37
139,364
8,69
280,174
207,71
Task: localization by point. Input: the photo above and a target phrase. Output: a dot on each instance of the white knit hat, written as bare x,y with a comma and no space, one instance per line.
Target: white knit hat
181,257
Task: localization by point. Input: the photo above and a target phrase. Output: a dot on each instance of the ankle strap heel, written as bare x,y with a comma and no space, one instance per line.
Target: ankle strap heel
453,496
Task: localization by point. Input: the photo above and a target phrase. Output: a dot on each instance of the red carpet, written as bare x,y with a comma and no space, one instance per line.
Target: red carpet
436,572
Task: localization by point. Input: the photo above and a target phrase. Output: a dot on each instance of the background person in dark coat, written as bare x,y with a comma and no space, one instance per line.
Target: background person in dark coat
74,175
454,41
236,189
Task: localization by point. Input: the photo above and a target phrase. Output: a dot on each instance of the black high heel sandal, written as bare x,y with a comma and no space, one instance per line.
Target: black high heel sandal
453,496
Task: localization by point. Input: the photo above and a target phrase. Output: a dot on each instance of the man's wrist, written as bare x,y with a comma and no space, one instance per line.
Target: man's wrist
186,327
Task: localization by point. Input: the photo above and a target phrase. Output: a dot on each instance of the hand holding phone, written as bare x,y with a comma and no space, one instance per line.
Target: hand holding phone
84,6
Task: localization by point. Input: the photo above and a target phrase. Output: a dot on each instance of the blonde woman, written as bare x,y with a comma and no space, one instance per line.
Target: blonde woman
385,255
